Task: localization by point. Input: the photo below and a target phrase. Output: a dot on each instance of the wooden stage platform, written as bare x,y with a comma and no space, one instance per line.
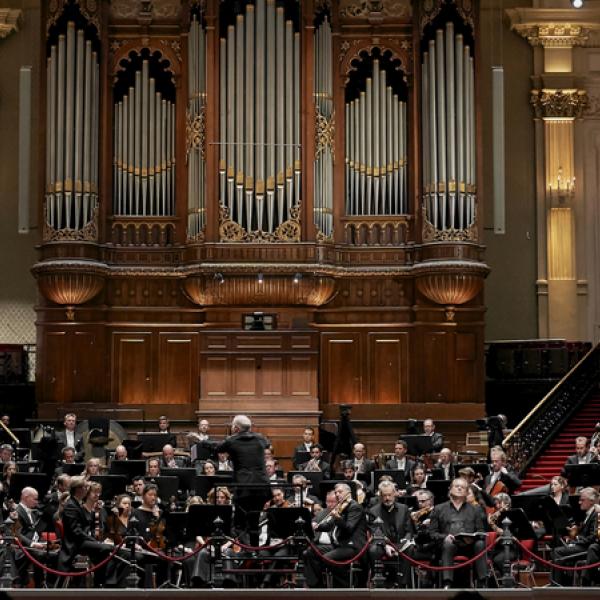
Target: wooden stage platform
549,593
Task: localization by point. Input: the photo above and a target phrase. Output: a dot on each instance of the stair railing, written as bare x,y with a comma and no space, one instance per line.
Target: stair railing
527,440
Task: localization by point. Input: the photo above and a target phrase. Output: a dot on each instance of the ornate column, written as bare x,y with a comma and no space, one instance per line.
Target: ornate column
558,100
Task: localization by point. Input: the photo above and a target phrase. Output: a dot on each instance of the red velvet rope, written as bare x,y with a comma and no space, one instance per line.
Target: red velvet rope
42,566
340,563
461,565
258,548
551,564
166,557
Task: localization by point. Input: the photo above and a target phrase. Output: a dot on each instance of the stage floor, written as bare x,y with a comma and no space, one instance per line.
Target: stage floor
553,593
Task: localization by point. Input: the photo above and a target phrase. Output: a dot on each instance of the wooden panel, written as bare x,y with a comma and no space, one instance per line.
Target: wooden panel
302,342
87,364
177,376
342,368
54,367
132,368
302,376
215,342
388,367
435,367
271,376
244,376
258,342
465,367
215,376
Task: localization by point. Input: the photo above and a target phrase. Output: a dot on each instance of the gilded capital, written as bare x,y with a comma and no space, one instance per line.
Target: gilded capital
9,21
554,35
563,104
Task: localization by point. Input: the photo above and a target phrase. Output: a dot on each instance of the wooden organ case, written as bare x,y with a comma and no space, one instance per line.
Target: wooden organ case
211,164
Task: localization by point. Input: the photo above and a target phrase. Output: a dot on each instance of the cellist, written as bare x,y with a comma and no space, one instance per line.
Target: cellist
501,479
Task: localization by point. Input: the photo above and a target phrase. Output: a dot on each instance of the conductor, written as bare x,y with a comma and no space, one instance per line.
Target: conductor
246,451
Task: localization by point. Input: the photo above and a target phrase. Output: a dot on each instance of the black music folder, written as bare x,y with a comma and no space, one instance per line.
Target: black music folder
112,485
418,444
154,441
38,481
129,468
201,519
282,522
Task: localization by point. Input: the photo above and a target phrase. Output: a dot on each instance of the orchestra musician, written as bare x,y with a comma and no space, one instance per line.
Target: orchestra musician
348,529
425,547
501,478
503,503
316,462
437,440
300,495
449,522
362,464
559,490
323,538
582,456
400,461
397,527
70,437
580,538
120,453
308,439
446,463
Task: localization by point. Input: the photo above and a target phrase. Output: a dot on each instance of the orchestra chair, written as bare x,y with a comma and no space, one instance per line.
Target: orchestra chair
525,565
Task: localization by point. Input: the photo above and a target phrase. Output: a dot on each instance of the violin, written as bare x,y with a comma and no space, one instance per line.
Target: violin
157,528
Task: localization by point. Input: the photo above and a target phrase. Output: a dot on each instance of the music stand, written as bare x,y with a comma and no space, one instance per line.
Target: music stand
301,457
282,522
519,526
167,487
176,525
112,485
329,484
439,488
38,481
398,477
577,513
583,475
155,441
203,450
134,449
204,483
315,477
72,469
201,519
418,444
412,502
129,468
24,437
542,508
186,477
24,466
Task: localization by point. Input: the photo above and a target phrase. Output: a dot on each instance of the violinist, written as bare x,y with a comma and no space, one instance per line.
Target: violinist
95,510
323,538
581,539
92,467
559,490
117,522
425,547
397,527
418,479
209,468
503,503
300,495
501,478
348,528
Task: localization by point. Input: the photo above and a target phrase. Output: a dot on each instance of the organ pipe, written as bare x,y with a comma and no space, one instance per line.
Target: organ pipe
144,150
72,141
448,124
376,149
196,121
260,135
323,95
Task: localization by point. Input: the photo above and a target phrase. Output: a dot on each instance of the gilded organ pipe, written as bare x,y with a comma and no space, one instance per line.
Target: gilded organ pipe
376,149
448,125
260,134
72,123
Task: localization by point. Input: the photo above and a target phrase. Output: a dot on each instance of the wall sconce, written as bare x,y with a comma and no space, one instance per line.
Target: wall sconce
297,277
577,3
219,278
260,278
564,189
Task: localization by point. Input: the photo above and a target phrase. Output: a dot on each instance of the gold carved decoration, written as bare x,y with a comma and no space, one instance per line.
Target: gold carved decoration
145,9
88,233
400,47
553,35
195,132
325,133
9,21
558,103
387,8
324,239
288,231
323,6
170,49
431,234
90,9
430,9
243,289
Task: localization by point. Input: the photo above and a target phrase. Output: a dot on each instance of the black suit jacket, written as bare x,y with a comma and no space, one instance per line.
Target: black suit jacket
588,532
437,441
410,465
27,527
350,526
401,526
247,453
76,525
574,460
368,465
61,439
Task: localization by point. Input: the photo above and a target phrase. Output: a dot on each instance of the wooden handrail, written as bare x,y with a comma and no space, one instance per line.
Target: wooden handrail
545,399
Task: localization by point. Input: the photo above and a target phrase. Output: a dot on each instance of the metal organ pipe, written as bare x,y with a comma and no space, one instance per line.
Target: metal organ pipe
261,133
144,150
376,149
448,124
72,124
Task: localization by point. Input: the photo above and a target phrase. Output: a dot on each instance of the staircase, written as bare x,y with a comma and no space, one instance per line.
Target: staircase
551,460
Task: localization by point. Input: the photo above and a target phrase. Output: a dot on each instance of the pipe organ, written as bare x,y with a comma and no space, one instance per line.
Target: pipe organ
448,126
196,125
144,149
376,131
218,166
323,97
259,143
72,131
